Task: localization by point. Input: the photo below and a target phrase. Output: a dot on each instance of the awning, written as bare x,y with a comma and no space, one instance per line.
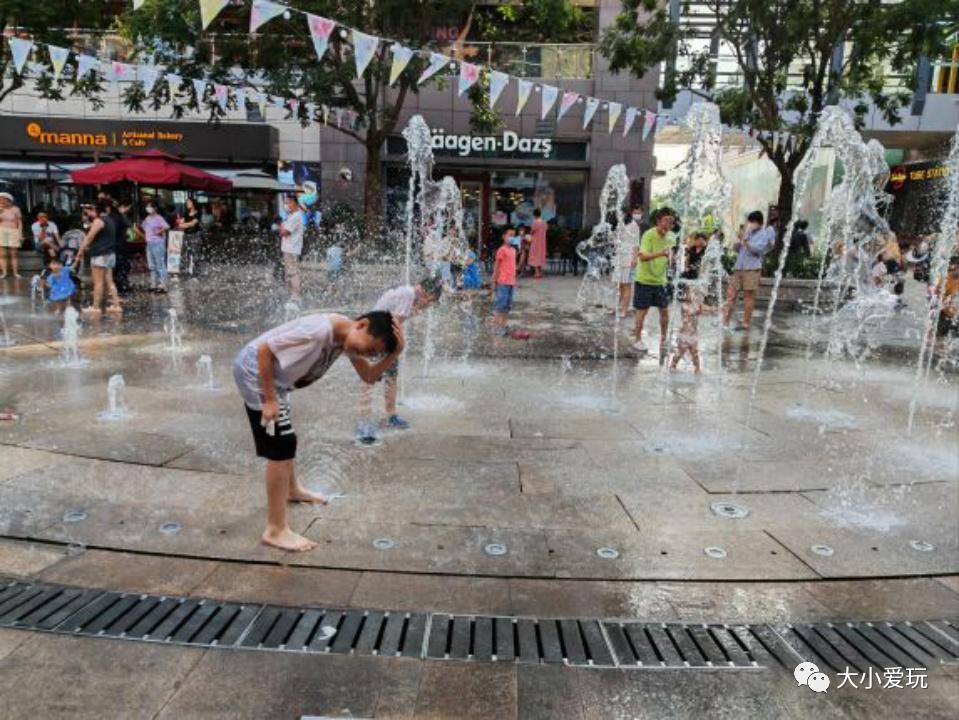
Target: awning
154,168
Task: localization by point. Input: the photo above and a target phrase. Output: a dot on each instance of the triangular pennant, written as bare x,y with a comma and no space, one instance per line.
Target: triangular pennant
550,93
569,99
320,30
199,87
364,48
222,95
58,58
591,105
262,12
437,62
137,4
648,123
120,71
497,81
401,58
19,50
615,109
173,82
147,75
209,9
629,119
524,88
86,63
469,74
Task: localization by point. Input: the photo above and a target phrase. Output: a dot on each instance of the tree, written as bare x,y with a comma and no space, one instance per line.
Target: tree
794,58
43,22
281,59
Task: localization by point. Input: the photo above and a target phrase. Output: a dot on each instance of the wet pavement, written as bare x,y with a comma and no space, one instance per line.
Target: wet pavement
548,446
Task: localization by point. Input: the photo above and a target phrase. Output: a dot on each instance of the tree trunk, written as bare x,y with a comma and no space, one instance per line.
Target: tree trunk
784,205
373,196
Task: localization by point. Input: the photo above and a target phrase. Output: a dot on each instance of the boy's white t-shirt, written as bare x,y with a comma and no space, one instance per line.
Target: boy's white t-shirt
304,349
398,301
293,243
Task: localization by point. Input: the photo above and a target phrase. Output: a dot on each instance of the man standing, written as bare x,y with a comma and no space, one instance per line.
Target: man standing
754,242
652,255
291,245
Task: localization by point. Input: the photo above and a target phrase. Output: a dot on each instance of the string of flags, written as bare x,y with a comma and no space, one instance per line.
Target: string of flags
365,47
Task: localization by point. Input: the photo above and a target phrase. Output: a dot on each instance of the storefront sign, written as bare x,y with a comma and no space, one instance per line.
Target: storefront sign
80,136
918,172
508,142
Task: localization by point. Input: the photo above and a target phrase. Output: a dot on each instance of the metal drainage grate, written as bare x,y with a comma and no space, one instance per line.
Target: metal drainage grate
581,642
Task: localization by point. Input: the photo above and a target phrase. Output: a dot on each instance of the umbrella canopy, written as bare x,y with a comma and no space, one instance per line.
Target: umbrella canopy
151,168
259,180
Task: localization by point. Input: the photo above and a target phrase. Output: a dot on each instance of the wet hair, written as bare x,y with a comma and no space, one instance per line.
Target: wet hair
381,327
432,285
755,216
660,213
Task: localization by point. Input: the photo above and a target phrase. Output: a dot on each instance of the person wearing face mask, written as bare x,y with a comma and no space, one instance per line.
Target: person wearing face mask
753,242
637,216
155,228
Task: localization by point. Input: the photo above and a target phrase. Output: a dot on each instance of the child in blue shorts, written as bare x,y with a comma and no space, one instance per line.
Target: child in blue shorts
59,282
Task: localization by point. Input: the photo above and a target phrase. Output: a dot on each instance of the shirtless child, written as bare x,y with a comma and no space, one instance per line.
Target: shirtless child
293,356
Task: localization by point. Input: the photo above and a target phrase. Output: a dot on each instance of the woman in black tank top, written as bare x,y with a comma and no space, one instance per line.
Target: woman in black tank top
100,244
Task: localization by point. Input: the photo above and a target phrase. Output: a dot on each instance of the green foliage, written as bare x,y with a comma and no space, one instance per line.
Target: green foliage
533,21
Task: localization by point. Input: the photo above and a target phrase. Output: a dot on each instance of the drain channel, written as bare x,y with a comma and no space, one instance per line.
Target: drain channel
580,642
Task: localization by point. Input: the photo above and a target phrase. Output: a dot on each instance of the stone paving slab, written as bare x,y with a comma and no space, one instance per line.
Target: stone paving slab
24,559
729,475
477,450
119,445
573,429
858,554
17,461
669,554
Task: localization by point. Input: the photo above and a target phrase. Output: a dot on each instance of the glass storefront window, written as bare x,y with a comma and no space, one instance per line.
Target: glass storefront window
559,194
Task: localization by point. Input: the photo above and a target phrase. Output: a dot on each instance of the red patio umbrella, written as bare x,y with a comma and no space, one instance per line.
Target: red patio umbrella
154,168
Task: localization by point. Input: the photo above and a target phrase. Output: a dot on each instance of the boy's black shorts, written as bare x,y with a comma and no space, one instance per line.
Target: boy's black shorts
281,445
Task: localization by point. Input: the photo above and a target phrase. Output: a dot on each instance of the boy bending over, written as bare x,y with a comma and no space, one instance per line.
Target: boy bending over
292,356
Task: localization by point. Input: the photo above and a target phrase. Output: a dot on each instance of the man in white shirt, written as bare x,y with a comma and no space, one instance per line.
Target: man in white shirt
291,245
46,235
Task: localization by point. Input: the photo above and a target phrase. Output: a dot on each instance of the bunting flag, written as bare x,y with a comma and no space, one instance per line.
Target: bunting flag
222,95
19,50
437,62
262,12
199,87
591,105
615,109
364,48
550,93
569,99
137,4
320,31
497,81
401,58
173,82
147,75
86,63
629,120
648,123
469,74
120,71
58,58
524,88
209,9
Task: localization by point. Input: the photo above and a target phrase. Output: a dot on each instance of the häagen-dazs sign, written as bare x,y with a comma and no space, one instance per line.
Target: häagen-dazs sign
508,142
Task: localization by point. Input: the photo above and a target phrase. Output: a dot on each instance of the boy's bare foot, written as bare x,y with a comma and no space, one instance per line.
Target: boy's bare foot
288,540
302,495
